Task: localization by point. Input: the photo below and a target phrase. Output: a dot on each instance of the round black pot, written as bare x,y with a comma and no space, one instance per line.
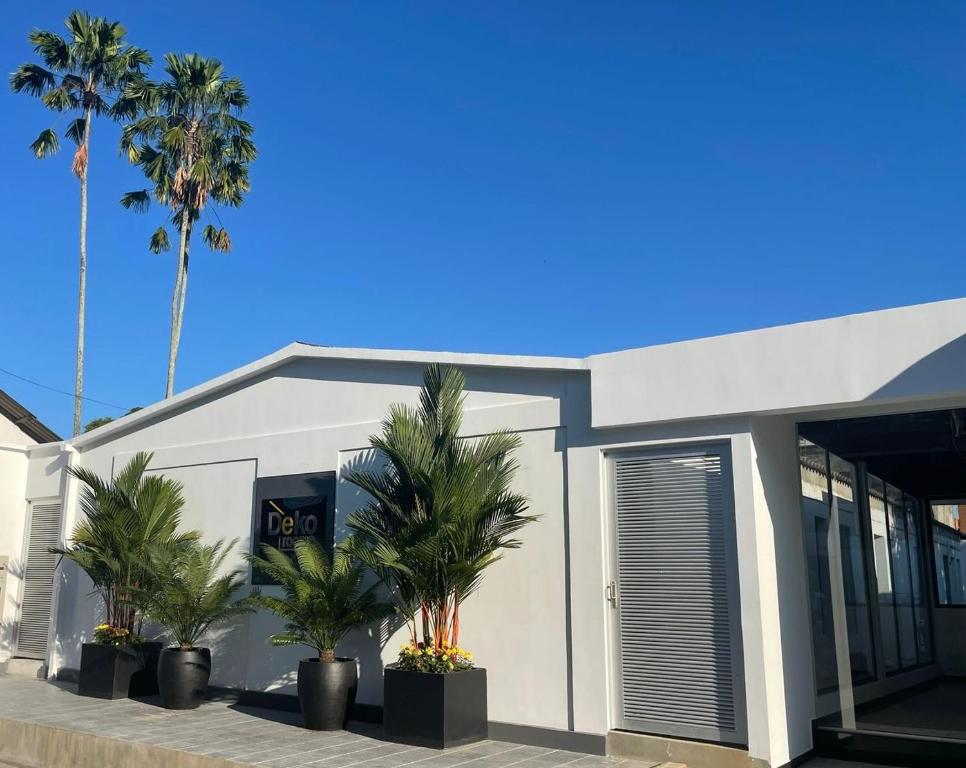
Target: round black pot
327,691
183,677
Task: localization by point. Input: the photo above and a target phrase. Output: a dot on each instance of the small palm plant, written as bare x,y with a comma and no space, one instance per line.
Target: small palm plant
191,596
323,598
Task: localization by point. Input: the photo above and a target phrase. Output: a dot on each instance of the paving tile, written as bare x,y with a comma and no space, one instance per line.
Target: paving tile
259,737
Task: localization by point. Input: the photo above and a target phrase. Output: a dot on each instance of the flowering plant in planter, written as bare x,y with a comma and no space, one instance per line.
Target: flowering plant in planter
105,634
420,658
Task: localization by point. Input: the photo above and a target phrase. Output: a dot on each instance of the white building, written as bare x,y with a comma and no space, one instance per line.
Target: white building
694,575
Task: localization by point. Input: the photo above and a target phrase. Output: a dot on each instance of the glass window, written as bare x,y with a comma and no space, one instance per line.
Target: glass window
854,580
948,532
902,577
883,573
836,563
923,634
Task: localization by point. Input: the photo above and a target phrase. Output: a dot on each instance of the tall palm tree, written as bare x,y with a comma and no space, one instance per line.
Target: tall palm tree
193,147
442,509
84,73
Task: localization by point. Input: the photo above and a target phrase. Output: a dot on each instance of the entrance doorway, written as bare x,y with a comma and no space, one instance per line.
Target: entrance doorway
38,581
883,547
678,656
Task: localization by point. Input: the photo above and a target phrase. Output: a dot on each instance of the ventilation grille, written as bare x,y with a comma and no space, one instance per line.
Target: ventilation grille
38,582
676,648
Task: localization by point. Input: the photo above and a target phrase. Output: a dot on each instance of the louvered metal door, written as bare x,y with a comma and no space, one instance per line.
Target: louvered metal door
679,643
38,583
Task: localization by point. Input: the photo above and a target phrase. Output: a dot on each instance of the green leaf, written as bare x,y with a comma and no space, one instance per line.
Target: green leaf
45,144
75,131
216,239
160,241
138,200
59,99
32,79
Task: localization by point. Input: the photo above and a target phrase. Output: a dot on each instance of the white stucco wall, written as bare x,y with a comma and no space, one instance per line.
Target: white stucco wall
318,416
13,505
545,639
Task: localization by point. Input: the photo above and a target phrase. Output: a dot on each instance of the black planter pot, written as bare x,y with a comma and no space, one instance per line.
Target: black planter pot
327,691
106,670
183,677
144,682
434,710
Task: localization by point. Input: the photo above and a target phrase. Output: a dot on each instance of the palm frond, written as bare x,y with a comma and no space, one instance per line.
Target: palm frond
139,200
32,79
159,241
45,144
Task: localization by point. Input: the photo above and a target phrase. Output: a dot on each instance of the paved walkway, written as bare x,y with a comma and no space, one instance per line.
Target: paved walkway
262,737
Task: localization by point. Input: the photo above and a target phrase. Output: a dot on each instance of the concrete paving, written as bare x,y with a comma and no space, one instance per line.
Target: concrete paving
231,734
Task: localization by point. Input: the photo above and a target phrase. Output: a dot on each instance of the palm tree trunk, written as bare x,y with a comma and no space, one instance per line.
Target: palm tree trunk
176,307
184,291
82,280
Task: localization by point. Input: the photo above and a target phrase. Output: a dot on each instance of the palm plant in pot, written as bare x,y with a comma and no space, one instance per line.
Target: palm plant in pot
190,597
441,512
322,599
128,522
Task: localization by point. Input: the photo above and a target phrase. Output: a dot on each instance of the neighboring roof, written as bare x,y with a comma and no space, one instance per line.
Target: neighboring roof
300,350
29,424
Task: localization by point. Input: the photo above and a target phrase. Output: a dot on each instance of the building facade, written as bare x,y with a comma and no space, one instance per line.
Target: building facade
704,564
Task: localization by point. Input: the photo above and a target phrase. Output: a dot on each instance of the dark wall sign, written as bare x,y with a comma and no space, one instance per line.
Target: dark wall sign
288,507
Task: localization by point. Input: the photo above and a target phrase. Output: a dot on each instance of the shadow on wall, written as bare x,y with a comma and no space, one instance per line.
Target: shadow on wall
930,375
9,629
367,644
74,595
275,669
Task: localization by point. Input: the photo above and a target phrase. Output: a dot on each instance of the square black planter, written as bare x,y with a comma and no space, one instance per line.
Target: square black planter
434,710
106,671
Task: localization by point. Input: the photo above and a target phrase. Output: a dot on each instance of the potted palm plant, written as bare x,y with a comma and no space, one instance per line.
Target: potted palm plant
190,597
128,522
440,513
322,600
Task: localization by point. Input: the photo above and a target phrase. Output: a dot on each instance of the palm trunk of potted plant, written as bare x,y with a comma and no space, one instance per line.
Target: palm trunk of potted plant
323,599
441,512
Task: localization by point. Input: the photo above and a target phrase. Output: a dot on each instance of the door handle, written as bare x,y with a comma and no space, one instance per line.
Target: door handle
613,595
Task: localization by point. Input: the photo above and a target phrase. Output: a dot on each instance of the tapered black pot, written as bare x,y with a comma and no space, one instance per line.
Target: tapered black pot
183,677
327,691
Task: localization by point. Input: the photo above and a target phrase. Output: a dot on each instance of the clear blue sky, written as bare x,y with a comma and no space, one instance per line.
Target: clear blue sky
547,178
